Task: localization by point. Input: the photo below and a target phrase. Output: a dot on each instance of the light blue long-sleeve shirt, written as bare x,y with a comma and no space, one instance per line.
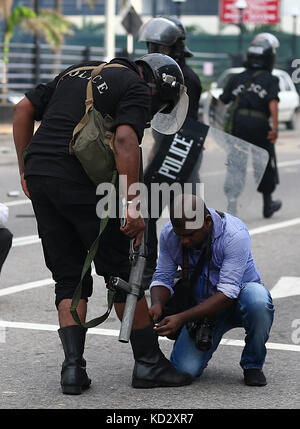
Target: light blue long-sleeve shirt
231,264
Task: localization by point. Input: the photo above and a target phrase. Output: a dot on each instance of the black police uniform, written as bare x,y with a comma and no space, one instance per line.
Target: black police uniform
251,122
63,197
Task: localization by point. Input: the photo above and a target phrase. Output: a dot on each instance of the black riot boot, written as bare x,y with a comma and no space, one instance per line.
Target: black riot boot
152,368
270,206
74,378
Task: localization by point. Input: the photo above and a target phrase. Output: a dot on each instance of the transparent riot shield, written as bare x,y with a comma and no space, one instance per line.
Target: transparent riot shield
224,170
231,171
214,112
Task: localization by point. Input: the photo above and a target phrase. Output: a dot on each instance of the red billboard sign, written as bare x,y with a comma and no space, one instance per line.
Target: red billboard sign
257,11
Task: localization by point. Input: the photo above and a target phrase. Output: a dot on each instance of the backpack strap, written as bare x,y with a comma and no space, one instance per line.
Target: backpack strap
87,263
73,70
89,100
247,84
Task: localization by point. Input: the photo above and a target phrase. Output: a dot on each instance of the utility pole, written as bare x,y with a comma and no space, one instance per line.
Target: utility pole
109,42
154,8
37,49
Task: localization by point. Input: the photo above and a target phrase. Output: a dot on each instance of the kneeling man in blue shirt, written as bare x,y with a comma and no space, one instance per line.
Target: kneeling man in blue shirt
226,293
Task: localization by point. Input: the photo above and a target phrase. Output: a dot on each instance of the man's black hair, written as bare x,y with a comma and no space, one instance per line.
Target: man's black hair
180,222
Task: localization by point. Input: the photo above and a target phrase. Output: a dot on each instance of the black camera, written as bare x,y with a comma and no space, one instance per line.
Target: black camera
201,332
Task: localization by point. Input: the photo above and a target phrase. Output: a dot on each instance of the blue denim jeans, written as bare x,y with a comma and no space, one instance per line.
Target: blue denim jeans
253,310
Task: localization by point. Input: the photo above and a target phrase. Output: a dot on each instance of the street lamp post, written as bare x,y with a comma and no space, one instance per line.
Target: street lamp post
295,14
154,8
241,6
178,7
37,48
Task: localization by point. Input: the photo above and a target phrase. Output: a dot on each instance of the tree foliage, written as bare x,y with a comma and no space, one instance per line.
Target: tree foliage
48,24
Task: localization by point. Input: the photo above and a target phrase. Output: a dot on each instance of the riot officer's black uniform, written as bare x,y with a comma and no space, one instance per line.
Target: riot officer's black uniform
167,35
251,120
64,198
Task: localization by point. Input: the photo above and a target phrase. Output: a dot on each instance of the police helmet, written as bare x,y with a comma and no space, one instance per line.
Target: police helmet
169,96
262,51
270,38
165,35
187,52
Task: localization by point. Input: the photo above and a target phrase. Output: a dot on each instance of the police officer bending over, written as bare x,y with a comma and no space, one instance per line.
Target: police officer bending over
64,198
223,287
256,105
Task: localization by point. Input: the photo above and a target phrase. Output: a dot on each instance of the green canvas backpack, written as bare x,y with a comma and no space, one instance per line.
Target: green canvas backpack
92,140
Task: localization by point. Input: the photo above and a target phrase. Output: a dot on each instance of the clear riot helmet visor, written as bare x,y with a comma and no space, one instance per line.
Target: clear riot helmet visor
170,123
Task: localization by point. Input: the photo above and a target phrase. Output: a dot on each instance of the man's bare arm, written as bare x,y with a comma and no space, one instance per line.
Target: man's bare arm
160,295
127,156
273,133
208,308
23,128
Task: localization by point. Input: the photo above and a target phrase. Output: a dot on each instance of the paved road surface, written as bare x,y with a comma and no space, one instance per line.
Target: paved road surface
30,349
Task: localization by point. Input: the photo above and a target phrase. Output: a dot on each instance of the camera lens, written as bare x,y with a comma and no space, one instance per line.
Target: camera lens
204,336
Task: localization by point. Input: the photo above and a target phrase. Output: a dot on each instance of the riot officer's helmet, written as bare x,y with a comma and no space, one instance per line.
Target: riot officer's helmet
270,38
161,31
169,98
165,35
262,52
187,52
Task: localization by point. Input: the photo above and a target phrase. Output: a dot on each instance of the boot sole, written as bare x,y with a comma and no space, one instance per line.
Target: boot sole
146,384
75,390
268,214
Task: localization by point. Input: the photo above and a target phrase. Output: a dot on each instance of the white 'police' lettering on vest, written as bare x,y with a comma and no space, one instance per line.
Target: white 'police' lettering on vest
86,74
254,87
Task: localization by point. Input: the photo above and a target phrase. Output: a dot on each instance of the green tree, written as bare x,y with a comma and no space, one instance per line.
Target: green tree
48,24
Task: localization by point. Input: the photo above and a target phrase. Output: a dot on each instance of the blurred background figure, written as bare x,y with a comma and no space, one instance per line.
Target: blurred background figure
167,35
257,91
5,235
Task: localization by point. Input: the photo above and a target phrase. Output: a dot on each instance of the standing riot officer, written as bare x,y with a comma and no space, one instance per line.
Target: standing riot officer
257,90
167,35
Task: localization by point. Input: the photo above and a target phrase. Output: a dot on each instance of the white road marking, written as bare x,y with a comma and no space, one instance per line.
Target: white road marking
281,164
17,203
115,333
286,286
24,241
33,239
274,226
25,286
31,285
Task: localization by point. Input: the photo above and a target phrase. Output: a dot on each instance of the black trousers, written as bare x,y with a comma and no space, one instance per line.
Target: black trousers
5,244
68,225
